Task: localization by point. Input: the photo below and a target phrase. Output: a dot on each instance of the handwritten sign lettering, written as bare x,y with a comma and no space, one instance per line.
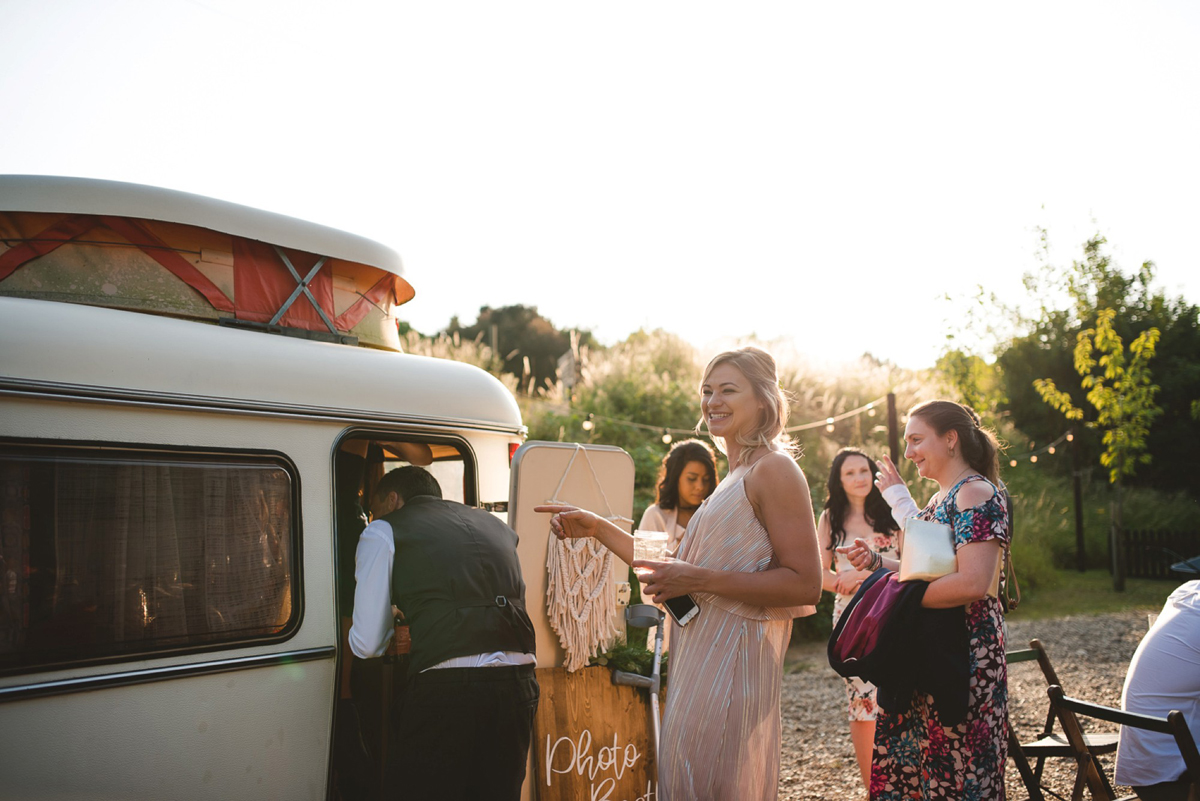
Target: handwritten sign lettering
594,739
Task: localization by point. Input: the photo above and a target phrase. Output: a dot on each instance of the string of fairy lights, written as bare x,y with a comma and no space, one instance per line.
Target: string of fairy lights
1051,449
870,409
668,434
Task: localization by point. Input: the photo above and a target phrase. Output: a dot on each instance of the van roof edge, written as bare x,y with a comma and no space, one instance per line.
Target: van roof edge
63,194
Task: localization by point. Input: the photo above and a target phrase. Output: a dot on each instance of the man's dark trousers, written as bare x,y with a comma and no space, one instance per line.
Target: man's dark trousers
462,734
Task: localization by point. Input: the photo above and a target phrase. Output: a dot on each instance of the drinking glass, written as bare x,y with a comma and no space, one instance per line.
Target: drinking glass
649,545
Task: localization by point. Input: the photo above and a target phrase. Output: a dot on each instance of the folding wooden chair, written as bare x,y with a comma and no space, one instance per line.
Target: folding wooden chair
1049,743
1089,772
1015,752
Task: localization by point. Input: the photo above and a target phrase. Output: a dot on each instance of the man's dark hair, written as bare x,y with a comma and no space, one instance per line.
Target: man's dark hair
409,482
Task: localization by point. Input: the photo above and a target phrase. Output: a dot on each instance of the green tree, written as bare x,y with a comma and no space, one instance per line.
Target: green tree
525,344
1067,300
1119,386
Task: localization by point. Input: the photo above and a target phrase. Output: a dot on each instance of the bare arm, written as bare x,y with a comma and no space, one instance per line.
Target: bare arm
977,561
779,494
824,536
860,554
571,522
417,453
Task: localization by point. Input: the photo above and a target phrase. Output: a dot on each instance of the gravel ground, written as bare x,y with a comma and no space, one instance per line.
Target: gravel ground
1089,653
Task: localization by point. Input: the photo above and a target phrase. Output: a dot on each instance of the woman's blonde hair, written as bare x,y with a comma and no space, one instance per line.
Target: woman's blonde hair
759,368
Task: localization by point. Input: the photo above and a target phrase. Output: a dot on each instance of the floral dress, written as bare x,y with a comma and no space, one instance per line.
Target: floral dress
859,693
915,756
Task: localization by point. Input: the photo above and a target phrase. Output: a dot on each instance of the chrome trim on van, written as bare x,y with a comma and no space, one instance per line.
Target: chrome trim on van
56,390
108,680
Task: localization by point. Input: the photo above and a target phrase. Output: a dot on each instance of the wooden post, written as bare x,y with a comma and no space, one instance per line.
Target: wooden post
1118,543
1077,485
893,428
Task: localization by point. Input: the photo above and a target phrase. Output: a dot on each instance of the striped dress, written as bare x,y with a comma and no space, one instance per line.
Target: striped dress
721,727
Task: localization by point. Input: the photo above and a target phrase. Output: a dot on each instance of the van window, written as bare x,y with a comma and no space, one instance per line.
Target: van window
113,552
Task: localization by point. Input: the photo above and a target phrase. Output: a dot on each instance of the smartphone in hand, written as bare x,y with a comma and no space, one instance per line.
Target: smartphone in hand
682,608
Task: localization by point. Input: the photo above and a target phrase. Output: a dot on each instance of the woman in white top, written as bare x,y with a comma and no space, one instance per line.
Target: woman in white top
687,475
854,508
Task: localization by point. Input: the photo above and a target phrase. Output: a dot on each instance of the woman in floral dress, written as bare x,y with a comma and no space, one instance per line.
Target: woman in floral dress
854,507
916,757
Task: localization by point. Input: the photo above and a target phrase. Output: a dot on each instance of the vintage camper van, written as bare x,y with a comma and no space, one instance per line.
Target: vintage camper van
181,383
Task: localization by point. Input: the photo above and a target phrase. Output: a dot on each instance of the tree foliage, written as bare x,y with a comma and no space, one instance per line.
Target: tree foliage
1119,387
1068,301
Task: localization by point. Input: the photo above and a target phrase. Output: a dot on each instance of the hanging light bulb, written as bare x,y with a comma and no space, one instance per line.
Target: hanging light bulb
871,410
666,438
1070,437
1012,463
829,428
1050,449
1033,458
590,422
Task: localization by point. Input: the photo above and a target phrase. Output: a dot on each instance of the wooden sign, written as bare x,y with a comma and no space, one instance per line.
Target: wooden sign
592,739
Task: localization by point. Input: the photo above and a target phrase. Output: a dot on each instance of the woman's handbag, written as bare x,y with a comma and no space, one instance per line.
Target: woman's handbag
929,554
928,550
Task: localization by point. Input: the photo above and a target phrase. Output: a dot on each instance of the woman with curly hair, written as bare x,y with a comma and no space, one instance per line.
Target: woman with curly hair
686,477
854,508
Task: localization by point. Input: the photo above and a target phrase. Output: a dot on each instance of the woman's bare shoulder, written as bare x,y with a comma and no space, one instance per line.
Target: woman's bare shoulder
776,472
974,493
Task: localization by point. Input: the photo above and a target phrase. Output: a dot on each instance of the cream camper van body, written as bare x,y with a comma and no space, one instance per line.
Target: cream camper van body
177,378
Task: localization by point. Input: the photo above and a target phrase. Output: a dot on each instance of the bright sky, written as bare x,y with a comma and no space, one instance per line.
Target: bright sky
821,172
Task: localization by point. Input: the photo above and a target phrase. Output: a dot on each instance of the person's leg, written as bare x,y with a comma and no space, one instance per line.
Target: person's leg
862,734
861,698
506,704
430,740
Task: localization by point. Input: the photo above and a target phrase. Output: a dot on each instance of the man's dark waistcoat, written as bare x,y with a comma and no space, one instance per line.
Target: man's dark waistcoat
457,579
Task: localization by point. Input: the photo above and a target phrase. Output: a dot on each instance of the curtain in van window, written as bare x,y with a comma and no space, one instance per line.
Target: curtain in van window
129,556
119,552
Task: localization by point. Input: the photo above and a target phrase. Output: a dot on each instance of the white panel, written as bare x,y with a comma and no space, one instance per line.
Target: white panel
254,734
538,470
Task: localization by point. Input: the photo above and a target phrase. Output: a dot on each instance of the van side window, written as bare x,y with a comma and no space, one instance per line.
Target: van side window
113,553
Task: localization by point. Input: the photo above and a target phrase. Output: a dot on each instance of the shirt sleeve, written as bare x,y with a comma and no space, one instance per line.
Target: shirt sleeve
372,627
902,503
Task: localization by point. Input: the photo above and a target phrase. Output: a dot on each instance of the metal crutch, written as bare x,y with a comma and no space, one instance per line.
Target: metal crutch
646,616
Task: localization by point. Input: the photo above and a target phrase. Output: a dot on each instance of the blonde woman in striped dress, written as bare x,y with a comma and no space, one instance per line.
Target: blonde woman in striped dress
750,559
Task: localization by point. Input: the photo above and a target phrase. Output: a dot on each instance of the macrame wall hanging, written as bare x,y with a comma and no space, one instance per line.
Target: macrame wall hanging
580,599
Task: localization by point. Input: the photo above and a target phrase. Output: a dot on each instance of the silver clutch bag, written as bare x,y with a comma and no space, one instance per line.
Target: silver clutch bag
928,550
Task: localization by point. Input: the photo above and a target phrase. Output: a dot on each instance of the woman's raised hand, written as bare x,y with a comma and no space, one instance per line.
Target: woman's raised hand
570,522
888,476
859,554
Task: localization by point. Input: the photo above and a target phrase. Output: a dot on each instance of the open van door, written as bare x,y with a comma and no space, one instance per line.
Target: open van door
591,739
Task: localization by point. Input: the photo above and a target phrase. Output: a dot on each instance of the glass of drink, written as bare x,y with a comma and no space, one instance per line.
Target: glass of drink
649,545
